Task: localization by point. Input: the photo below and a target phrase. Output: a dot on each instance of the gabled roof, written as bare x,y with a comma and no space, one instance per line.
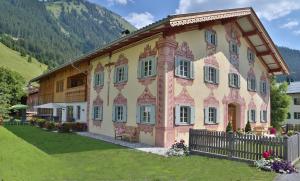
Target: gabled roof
245,18
294,88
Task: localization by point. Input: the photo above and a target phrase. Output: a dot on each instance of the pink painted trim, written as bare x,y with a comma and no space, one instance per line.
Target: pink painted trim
184,98
146,97
251,74
211,101
120,99
212,62
233,35
148,52
251,62
146,128
122,60
98,69
210,49
251,105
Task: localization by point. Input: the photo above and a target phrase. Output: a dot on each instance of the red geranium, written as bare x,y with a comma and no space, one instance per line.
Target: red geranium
266,154
272,131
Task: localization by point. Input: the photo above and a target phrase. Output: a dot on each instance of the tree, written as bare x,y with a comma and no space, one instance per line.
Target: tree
280,103
248,127
229,127
29,59
12,89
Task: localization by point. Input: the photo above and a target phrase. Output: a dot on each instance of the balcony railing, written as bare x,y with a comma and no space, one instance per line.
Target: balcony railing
76,94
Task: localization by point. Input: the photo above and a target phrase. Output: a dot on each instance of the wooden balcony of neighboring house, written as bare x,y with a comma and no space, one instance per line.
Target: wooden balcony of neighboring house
76,94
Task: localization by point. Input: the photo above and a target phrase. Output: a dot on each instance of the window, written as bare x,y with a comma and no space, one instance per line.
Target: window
296,101
251,83
211,37
76,80
234,80
70,113
97,113
233,47
99,79
147,67
211,75
78,112
252,116
146,114
296,115
263,87
212,115
263,116
185,114
120,113
250,56
60,86
121,73
184,68
289,115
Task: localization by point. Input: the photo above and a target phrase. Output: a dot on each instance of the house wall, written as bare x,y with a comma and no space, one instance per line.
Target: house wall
83,111
203,95
129,93
294,108
168,90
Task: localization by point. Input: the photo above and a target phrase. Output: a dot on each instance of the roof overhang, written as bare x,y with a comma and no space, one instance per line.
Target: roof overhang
245,18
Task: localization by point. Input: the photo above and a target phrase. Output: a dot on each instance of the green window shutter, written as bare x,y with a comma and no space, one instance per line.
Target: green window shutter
205,73
230,77
239,81
125,113
216,39
192,70
154,63
138,114
102,78
218,116
126,73
101,112
177,68
139,69
206,119
206,34
192,120
248,83
217,76
177,114
153,114
113,113
93,113
115,75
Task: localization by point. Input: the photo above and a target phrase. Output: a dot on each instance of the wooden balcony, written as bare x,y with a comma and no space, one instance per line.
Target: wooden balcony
76,94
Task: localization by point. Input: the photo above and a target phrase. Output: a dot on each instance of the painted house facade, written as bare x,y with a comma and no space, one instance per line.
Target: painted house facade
199,70
294,113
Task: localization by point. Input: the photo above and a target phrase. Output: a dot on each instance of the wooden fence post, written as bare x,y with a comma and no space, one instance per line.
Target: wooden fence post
285,148
230,146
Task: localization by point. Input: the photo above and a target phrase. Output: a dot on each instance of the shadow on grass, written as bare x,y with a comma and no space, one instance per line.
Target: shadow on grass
56,143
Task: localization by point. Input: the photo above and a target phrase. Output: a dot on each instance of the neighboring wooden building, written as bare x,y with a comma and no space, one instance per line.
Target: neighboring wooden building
198,70
294,113
63,93
32,99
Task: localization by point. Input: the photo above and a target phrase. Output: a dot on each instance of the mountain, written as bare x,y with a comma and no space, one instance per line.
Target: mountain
12,60
292,58
55,31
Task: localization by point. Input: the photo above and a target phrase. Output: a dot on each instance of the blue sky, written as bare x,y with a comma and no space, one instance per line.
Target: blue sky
280,17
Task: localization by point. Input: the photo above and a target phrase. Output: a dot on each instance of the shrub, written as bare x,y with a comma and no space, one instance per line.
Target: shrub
229,127
64,127
240,131
282,166
49,125
290,132
79,126
40,122
248,127
32,121
178,149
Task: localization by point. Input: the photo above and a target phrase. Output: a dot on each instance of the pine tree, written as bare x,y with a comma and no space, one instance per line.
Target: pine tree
29,59
229,127
248,127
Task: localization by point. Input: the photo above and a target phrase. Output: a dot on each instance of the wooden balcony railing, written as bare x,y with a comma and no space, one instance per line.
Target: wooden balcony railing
76,94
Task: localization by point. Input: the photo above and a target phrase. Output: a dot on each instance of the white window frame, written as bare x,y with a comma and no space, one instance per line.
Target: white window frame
147,67
97,114
119,113
211,75
251,83
211,37
184,68
212,115
297,115
120,75
263,85
146,114
264,116
297,101
250,56
99,79
234,80
233,47
184,114
252,116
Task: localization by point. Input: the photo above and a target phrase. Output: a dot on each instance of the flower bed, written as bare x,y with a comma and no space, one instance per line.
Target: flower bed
178,149
270,162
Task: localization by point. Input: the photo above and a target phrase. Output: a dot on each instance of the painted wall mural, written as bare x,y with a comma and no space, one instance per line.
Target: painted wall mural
97,102
99,69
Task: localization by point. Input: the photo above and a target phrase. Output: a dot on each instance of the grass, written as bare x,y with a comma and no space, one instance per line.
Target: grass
12,60
72,157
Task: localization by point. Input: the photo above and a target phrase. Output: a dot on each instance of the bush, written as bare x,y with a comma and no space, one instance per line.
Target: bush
248,127
229,127
64,127
49,125
273,131
40,122
178,149
79,127
290,132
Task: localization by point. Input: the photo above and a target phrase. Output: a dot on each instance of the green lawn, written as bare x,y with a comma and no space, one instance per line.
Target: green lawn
35,154
12,60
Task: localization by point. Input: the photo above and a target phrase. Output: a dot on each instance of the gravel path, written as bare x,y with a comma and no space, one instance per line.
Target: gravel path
290,177
138,146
